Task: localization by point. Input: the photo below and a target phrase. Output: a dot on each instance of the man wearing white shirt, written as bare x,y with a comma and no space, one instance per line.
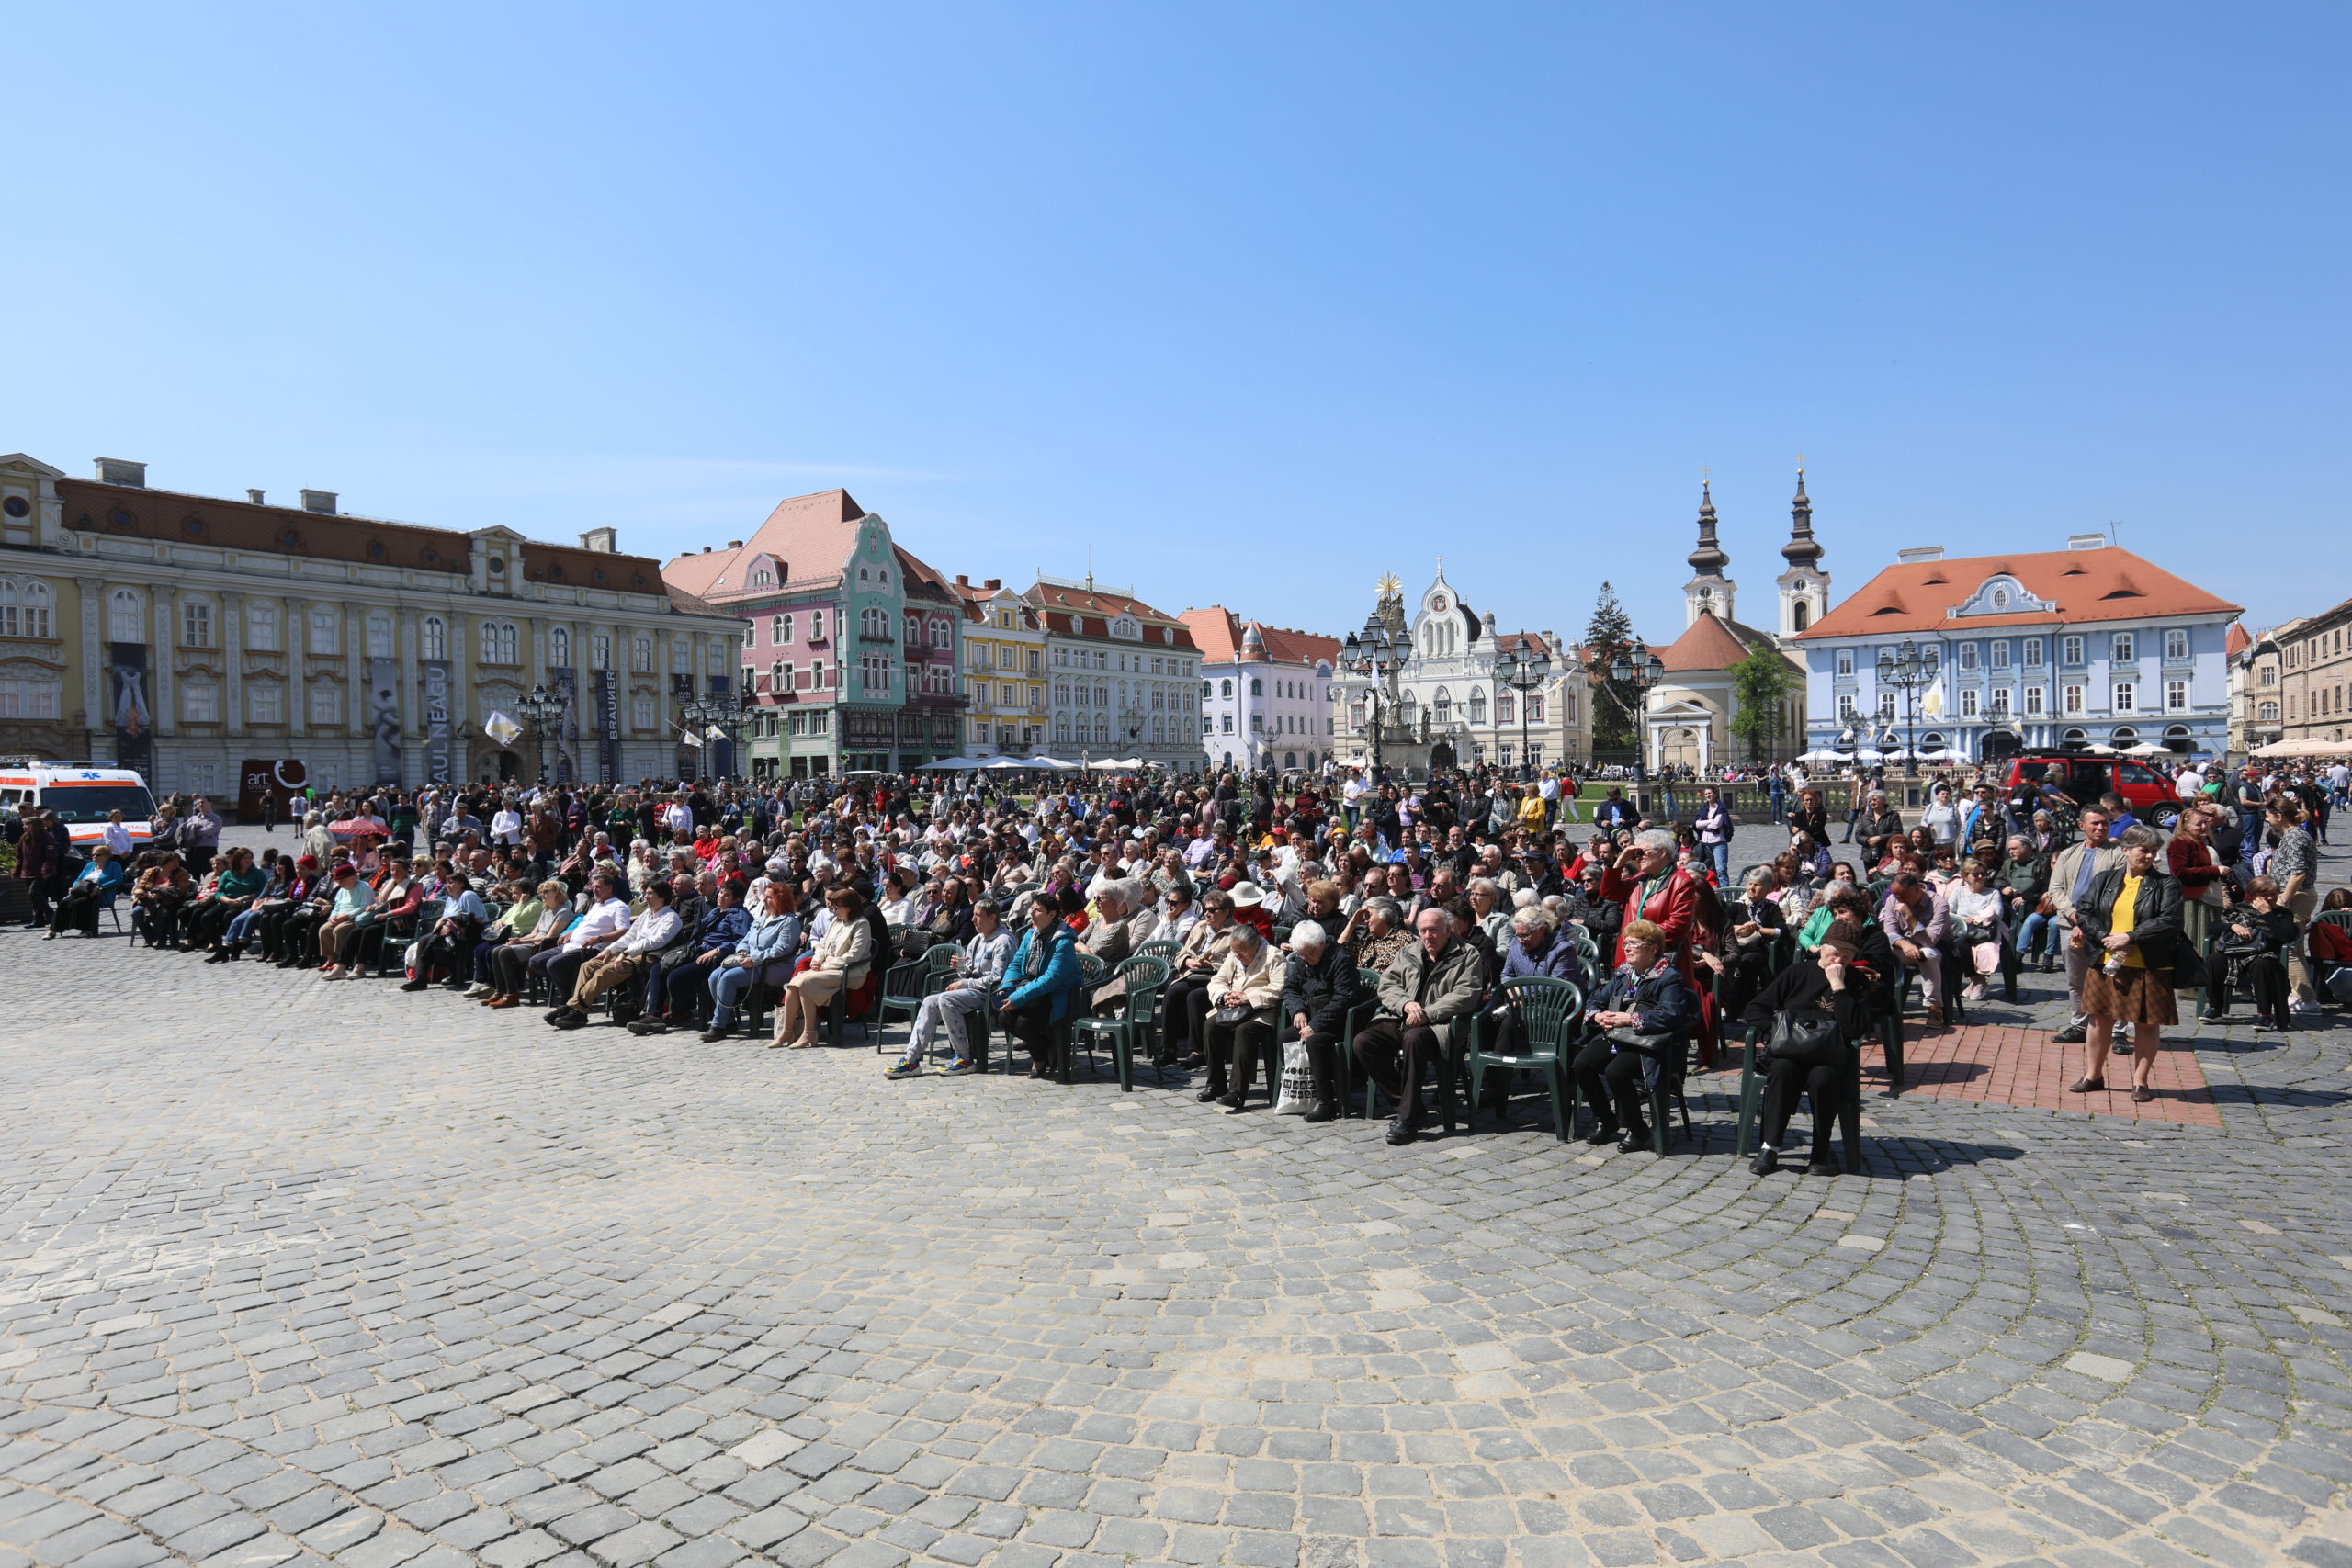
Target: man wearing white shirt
507,824
624,958
679,816
605,923
118,836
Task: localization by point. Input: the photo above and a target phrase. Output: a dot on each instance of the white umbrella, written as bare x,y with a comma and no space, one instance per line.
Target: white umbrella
1821,754
951,765
1866,755
2305,746
1027,764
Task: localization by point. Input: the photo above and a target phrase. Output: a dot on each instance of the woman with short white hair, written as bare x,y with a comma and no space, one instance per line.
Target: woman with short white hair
1319,985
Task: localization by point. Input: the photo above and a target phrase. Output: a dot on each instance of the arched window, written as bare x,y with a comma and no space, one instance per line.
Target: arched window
432,637
126,617
36,622
1256,687
1442,707
600,652
1228,688
326,631
1800,615
2073,734
1505,707
2125,734
2269,711
559,647
1478,704
640,655
499,642
775,628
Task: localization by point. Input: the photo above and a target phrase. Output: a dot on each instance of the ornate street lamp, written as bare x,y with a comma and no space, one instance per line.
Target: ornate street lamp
1525,669
1373,654
1908,669
1630,664
540,709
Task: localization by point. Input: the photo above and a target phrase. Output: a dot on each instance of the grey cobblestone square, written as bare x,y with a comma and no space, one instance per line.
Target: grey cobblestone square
308,1272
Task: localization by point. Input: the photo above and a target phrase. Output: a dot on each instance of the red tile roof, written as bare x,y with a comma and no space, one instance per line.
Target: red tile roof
1217,633
811,537
2109,584
2238,641
1709,644
1089,612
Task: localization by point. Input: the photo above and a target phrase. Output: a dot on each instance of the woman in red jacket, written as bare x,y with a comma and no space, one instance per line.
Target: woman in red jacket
2203,899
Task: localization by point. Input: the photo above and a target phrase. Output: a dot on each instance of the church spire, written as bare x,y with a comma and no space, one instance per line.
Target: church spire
1802,549
1708,560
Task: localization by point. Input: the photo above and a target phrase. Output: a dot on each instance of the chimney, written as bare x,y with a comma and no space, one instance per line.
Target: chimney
962,580
319,501
706,550
1920,553
254,496
734,543
600,540
2073,541
993,583
122,471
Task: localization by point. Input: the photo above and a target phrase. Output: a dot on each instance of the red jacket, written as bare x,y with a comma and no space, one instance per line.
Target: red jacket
1673,908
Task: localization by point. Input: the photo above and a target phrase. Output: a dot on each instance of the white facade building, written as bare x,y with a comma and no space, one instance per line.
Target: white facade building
1265,692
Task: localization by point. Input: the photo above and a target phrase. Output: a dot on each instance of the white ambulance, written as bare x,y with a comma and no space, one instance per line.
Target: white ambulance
83,795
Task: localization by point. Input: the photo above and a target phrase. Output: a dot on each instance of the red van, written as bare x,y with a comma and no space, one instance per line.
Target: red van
2086,775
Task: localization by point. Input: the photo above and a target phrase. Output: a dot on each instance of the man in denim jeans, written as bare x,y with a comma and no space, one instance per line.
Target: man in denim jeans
977,974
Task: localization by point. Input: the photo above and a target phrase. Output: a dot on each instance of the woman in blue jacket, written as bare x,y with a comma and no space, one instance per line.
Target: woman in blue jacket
1041,982
100,881
763,955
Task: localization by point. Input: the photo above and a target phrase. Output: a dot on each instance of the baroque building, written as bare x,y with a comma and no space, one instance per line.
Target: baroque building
1124,678
1265,692
1686,715
186,636
848,642
1443,701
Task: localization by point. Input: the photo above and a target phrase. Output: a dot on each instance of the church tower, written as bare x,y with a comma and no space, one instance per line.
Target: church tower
1709,593
1804,587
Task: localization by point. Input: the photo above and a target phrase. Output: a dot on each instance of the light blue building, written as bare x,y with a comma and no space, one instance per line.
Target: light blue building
2090,645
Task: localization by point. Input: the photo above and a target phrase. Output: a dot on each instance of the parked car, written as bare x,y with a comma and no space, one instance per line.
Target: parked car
2086,775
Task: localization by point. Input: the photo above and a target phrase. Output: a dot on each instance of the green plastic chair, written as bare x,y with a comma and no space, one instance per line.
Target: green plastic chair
904,986
1091,973
1751,1104
1548,1011
1167,949
1122,1032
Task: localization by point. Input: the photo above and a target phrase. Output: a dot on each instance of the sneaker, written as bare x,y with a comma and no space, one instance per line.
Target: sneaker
958,1070
649,1026
904,1070
2069,1036
478,990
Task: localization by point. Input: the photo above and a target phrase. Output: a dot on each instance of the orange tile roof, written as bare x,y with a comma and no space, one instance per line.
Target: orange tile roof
2109,584
811,537
1088,612
1709,644
2238,641
1217,633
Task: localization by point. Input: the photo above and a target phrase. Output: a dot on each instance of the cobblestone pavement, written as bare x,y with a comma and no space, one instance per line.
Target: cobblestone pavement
295,1271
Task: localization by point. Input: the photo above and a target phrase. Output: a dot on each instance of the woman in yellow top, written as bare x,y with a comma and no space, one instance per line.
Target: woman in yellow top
2132,922
1531,815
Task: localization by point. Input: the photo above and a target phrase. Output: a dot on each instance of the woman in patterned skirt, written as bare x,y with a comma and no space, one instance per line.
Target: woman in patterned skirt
2131,920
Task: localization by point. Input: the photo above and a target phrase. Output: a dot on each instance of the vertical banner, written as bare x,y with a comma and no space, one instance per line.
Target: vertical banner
722,752
436,719
384,718
565,727
682,691
134,720
608,725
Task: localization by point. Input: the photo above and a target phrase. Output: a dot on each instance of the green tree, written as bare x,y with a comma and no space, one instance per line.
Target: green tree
1760,685
1607,635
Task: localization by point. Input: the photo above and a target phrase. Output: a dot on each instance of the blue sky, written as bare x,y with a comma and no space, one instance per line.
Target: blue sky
1255,302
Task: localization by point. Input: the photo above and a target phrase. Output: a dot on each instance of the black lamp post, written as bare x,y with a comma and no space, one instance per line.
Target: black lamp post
1524,670
1373,653
539,710
1908,669
1633,664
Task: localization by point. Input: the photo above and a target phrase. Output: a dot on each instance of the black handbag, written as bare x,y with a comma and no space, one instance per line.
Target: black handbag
1625,1037
1810,1041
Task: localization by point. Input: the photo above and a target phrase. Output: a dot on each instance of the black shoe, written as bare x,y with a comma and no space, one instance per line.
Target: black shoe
713,1036
1210,1095
556,1017
2069,1036
649,1026
1402,1132
215,956
567,1019
1637,1139
1823,1168
2049,965
415,985
1233,1104
1766,1162
1604,1133
1322,1111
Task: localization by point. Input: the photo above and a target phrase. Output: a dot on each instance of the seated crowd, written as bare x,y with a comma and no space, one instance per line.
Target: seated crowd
1371,944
